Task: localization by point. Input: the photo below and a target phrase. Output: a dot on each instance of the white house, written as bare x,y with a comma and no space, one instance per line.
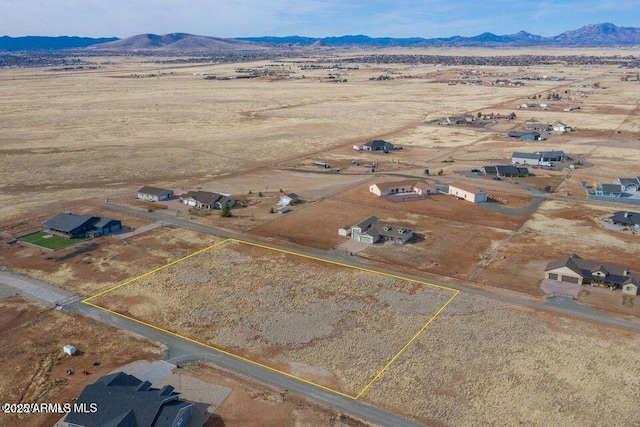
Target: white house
468,193
561,127
288,199
154,194
382,189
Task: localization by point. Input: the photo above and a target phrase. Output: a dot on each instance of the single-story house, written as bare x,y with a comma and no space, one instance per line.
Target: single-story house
288,199
574,269
207,200
378,145
561,127
628,184
525,135
466,192
70,225
525,158
609,190
627,219
542,127
512,171
489,170
369,231
381,189
154,194
121,399
538,158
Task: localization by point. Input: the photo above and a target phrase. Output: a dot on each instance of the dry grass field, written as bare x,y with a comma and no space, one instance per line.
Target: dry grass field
68,139
487,363
34,366
332,325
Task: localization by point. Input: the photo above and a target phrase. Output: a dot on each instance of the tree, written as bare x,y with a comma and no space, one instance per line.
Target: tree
479,114
260,194
226,211
512,116
440,172
250,192
547,189
271,210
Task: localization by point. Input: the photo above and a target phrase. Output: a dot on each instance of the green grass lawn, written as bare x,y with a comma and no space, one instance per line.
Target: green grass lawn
48,241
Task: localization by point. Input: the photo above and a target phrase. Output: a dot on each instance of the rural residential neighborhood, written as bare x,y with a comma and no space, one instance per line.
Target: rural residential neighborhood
344,231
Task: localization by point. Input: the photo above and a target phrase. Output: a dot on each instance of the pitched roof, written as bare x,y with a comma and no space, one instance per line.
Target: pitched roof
67,221
629,181
611,188
379,143
614,273
627,218
551,153
124,400
103,220
389,230
155,191
204,197
465,187
386,186
535,156
508,169
367,223
489,169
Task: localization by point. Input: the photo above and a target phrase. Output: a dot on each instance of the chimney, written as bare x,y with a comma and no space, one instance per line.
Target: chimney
627,214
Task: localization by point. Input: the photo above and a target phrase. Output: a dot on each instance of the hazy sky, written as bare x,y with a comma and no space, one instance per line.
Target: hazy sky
315,18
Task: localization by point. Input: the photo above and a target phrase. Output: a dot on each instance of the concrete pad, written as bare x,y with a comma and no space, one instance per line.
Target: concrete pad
354,246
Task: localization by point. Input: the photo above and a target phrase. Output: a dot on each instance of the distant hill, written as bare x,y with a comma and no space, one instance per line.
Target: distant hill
600,35
177,41
46,43
596,35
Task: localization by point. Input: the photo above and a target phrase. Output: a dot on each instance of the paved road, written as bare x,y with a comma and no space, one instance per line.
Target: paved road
35,289
180,350
570,308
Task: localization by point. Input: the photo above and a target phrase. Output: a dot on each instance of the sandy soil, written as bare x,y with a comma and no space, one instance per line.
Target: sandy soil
482,363
34,366
302,316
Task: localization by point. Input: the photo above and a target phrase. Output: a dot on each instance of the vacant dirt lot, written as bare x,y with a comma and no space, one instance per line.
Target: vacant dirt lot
33,366
484,362
332,325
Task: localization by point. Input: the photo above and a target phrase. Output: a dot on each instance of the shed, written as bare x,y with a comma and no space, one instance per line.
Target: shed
69,349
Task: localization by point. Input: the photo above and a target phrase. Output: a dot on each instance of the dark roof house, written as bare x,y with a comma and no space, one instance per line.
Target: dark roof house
609,190
67,224
574,269
123,400
628,219
378,145
511,171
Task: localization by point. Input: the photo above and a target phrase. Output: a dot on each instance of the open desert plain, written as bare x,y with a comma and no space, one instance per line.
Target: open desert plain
453,327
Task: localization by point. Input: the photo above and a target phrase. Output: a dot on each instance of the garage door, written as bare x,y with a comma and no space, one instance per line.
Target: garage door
553,276
570,279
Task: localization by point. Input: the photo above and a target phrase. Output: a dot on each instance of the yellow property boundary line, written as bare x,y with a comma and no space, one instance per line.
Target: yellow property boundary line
375,378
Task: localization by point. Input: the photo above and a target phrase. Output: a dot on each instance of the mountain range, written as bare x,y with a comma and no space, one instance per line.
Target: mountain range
594,35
